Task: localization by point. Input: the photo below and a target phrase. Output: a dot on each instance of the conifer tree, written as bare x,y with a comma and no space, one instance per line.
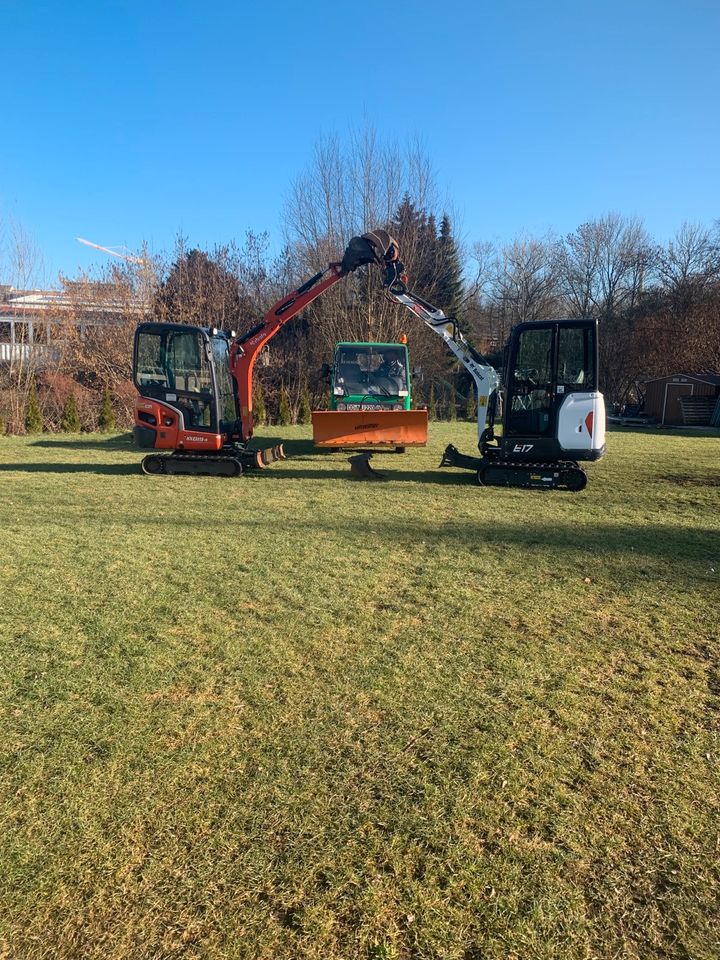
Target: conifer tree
471,408
305,411
284,416
259,409
432,404
106,420
33,416
70,422
449,286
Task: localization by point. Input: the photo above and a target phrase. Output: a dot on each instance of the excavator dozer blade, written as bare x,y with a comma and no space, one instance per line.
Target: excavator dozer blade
360,467
269,456
369,428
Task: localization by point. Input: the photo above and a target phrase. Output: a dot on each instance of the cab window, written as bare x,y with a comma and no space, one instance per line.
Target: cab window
576,359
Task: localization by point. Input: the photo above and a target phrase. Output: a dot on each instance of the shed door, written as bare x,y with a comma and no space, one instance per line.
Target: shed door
672,411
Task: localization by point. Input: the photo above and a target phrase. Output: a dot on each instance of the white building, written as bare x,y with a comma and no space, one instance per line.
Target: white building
34,323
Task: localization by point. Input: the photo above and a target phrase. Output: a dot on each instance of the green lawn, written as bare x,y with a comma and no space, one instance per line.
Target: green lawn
296,715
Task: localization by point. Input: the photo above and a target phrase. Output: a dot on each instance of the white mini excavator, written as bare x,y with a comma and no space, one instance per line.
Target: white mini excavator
554,414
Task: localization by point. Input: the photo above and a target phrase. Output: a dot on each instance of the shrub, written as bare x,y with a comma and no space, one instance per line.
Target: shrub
284,416
259,410
471,408
33,416
305,411
432,404
70,422
106,420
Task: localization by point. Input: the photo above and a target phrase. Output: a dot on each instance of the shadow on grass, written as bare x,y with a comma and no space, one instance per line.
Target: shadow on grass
107,469
101,443
297,449
388,474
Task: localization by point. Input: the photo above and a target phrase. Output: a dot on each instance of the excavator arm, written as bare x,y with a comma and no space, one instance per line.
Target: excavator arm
485,376
245,350
528,455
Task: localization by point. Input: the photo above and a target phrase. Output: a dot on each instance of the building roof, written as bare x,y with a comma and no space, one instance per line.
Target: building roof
98,298
713,378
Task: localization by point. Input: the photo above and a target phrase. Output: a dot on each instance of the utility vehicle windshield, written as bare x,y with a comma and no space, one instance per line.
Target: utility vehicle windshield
365,370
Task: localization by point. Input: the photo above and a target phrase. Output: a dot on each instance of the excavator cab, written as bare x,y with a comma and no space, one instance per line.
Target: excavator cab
187,400
553,409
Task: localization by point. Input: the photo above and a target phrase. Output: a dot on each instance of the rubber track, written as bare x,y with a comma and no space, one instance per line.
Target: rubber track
558,466
163,461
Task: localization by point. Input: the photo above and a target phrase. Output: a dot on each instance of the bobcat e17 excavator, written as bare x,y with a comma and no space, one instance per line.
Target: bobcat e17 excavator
195,384
554,414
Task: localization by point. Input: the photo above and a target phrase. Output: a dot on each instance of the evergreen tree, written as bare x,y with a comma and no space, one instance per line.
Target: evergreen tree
407,222
417,235
106,420
33,416
432,404
452,404
305,411
471,408
449,285
259,409
284,416
70,422
199,289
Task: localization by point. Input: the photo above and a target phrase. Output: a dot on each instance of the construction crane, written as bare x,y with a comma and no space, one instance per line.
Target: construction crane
115,252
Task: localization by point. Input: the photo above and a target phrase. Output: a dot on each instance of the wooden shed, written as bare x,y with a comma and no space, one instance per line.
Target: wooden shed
662,396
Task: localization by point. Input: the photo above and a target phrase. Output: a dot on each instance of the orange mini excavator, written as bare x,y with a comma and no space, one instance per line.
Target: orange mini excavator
195,383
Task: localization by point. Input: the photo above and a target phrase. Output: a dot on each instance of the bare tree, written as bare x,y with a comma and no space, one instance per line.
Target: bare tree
689,264
604,266
22,265
525,285
348,190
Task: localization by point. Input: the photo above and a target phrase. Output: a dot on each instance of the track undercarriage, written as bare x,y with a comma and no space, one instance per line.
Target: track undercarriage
230,462
492,471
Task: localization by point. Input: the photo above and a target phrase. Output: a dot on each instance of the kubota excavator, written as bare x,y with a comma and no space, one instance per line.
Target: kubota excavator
195,384
554,414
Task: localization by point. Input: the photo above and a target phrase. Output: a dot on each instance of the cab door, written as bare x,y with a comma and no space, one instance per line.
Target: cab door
530,381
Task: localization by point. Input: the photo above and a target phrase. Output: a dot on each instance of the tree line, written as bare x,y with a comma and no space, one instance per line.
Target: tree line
658,304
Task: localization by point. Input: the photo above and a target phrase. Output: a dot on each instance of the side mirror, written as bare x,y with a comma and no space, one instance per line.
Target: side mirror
325,371
417,372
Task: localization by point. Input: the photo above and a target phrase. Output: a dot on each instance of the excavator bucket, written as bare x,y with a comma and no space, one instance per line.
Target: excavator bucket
360,467
369,428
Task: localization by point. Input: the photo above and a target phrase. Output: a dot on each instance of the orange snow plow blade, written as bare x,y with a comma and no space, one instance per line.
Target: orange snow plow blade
369,428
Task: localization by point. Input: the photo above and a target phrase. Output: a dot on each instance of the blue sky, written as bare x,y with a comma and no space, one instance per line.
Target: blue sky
125,122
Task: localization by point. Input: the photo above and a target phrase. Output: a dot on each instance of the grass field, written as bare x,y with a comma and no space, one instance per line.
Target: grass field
296,715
